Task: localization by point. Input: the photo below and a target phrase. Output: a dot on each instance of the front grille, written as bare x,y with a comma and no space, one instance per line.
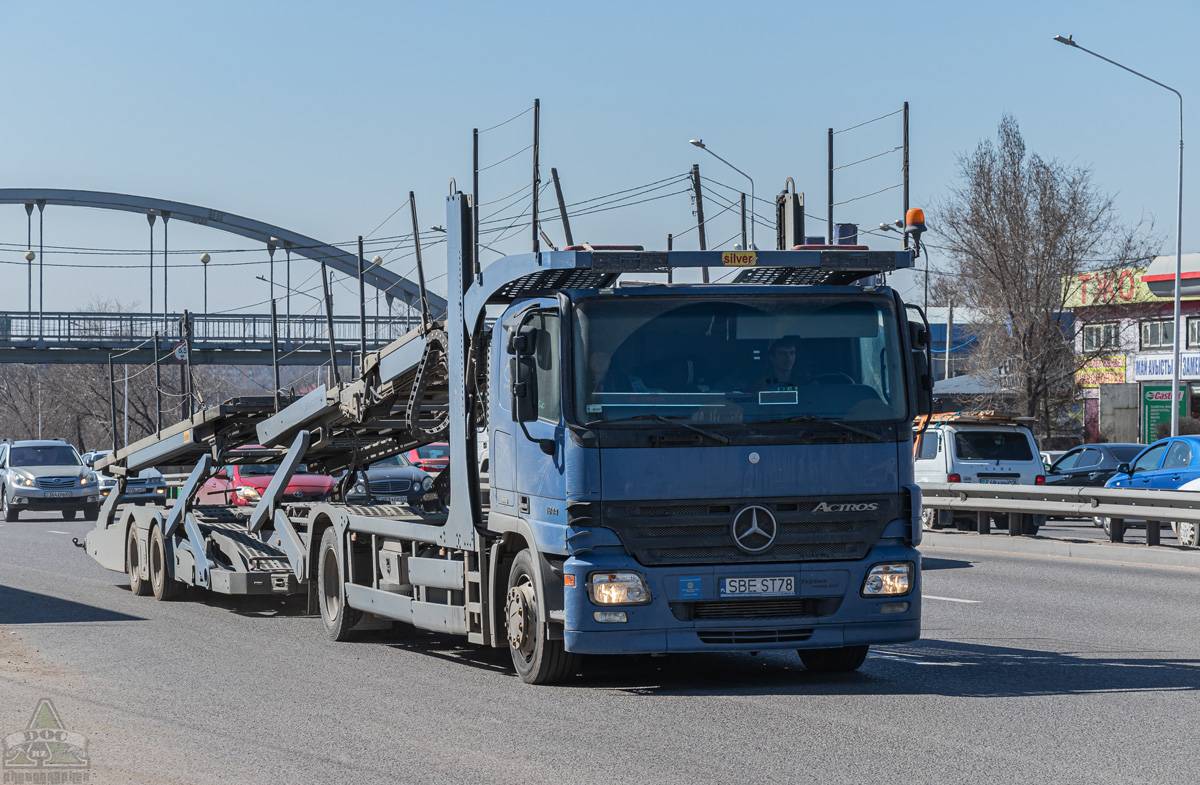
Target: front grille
775,608
699,531
390,486
792,635
56,482
134,482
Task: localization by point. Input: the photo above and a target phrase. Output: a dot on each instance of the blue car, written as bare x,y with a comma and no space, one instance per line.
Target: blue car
1165,465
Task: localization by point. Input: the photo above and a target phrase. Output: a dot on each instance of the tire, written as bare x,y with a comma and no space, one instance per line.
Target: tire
164,587
133,563
843,660
1188,534
337,617
91,512
536,658
10,513
1104,524
68,515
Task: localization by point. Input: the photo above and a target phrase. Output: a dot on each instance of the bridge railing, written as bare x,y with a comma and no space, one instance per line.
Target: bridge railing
123,330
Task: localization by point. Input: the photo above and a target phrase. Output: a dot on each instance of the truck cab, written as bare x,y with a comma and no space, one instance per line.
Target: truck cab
689,492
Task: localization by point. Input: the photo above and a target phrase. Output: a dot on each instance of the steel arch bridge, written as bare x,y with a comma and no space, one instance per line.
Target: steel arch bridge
73,345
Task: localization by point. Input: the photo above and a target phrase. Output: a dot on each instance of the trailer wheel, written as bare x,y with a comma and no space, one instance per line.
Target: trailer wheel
165,587
537,659
133,559
338,618
843,660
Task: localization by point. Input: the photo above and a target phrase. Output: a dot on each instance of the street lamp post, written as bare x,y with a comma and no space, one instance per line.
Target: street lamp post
204,260
700,143
1070,41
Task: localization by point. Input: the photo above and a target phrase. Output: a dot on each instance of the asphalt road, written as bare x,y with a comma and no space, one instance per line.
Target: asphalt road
1031,670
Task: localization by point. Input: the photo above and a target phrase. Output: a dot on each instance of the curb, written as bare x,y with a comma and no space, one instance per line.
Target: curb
1070,549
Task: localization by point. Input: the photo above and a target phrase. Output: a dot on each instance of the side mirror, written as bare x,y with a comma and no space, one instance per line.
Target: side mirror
922,368
1124,469
221,475
524,389
90,460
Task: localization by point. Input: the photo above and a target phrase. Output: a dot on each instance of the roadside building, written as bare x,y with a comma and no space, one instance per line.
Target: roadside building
1125,344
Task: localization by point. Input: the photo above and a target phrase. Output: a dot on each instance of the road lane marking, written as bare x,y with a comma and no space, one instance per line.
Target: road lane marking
56,531
948,599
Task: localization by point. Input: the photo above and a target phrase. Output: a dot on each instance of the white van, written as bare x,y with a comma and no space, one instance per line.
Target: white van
985,448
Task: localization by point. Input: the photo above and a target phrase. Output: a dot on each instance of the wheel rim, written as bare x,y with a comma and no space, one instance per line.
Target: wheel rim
927,519
331,595
1187,534
520,619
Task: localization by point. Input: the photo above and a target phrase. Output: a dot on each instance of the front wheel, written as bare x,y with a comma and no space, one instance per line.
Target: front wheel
68,515
843,660
1188,534
10,512
338,617
537,658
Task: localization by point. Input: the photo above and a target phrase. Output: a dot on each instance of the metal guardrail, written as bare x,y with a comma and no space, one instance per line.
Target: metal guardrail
119,330
1117,504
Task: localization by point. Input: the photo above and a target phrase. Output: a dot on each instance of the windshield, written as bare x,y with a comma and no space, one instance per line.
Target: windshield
992,446
45,455
749,359
266,469
433,452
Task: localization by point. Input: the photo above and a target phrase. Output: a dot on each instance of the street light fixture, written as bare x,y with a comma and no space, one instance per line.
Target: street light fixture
700,143
1070,41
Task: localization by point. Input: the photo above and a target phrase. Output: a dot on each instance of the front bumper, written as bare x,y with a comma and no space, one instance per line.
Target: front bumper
686,613
151,493
38,499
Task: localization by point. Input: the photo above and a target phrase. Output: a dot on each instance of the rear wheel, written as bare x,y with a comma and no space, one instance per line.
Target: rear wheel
537,658
133,561
1188,534
929,519
338,618
164,586
10,512
843,660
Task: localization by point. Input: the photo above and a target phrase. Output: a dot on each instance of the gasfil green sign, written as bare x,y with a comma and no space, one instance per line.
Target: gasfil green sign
1156,408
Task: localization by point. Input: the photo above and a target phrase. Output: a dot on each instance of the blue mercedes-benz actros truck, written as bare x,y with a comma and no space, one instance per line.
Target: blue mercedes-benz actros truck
673,467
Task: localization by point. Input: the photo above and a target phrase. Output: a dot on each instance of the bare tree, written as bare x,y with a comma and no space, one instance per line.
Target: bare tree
1017,228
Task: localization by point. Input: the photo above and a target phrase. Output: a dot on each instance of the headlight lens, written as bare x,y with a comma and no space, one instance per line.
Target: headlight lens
249,494
426,483
618,588
89,480
889,580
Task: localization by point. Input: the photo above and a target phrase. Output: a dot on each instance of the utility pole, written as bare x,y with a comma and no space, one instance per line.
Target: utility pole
829,216
537,121
699,195
275,351
949,336
112,401
362,313
337,377
744,246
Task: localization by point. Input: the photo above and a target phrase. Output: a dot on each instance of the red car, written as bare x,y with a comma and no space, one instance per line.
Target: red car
431,458
243,484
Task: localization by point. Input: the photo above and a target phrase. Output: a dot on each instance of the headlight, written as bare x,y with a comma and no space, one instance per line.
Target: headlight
249,494
426,483
888,580
89,480
360,488
618,588
107,482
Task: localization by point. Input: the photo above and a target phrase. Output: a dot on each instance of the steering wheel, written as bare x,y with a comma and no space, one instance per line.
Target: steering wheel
835,377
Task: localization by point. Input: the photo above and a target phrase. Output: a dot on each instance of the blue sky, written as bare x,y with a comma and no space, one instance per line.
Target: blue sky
321,117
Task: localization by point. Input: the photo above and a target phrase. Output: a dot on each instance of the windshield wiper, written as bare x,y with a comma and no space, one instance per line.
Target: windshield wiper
716,437
812,418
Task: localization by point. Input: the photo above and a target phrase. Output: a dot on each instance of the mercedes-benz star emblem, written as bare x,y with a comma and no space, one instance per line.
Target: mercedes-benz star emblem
754,529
